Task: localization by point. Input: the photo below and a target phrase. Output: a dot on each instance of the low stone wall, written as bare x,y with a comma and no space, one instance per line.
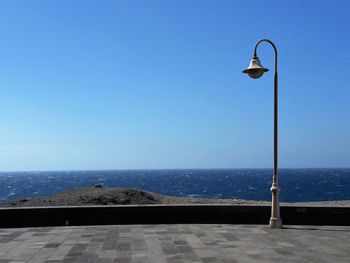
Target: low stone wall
169,214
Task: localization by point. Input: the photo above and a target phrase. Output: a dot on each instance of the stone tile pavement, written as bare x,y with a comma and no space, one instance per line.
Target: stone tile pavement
174,243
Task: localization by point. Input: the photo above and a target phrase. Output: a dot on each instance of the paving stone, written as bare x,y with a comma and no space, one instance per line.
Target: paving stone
169,248
230,237
41,256
107,253
53,245
122,260
105,260
98,239
209,260
174,259
192,257
140,258
123,246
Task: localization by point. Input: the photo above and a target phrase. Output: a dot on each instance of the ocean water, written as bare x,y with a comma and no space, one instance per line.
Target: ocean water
253,184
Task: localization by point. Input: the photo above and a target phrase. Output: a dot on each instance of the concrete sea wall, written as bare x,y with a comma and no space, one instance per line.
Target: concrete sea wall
169,214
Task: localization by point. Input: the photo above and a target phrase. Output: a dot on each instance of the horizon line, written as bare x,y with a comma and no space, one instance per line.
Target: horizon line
159,169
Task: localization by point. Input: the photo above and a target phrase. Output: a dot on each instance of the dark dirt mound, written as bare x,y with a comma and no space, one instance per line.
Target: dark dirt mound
93,195
97,195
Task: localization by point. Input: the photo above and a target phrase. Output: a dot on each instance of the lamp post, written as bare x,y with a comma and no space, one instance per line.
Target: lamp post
256,70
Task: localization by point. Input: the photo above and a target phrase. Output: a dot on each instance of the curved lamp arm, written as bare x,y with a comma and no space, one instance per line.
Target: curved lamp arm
274,47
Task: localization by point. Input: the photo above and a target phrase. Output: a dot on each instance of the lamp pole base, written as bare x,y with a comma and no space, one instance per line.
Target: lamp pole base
275,219
275,223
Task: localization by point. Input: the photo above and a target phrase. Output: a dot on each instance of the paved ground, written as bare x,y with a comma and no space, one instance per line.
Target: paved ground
175,243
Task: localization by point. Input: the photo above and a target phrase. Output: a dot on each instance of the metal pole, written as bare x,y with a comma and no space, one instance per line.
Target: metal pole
275,220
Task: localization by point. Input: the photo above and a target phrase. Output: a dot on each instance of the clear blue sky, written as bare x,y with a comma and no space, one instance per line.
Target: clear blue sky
158,84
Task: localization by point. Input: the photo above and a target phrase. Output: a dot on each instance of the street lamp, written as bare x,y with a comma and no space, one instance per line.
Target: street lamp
255,71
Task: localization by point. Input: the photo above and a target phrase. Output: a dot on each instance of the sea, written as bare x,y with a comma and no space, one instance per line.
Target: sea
297,185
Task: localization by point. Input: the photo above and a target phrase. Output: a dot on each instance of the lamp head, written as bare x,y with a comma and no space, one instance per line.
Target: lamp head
255,69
